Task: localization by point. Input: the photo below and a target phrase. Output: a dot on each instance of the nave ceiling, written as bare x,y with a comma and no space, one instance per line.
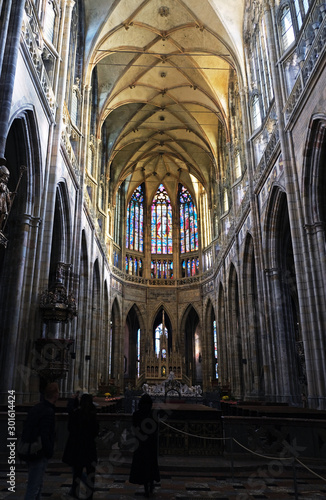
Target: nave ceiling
163,70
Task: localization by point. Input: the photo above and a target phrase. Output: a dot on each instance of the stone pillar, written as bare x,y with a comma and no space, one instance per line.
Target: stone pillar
299,241
10,31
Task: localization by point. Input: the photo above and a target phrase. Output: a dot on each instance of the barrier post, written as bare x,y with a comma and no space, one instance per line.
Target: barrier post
296,495
232,464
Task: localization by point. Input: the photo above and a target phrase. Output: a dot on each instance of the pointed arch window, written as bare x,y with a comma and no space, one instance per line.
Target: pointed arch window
161,223
135,221
49,21
161,335
287,31
188,222
256,116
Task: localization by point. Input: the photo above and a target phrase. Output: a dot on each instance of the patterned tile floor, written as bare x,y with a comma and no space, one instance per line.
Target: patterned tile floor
183,478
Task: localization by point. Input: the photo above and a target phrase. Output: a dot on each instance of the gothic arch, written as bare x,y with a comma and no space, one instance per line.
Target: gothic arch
193,344
18,260
61,234
157,319
116,368
132,344
286,345
222,337
234,318
95,329
252,323
169,314
82,340
211,352
313,176
105,335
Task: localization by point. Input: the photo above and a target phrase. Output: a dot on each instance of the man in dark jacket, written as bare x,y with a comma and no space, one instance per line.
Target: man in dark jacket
40,422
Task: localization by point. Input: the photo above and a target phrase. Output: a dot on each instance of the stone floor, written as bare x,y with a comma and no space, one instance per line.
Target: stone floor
184,478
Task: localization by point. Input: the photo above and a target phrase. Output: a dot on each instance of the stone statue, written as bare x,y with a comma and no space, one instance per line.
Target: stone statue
5,195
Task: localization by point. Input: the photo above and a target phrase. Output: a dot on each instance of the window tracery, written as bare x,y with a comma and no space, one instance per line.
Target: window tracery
161,222
135,221
188,222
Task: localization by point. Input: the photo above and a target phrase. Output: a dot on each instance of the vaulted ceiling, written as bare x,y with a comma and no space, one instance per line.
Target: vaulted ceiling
163,69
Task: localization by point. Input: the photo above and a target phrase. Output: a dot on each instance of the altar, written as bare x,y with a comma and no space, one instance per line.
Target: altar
172,387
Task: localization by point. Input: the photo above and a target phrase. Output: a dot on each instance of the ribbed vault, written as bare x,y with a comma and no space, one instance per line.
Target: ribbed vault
163,70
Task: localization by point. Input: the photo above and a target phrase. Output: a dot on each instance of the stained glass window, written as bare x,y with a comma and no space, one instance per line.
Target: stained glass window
158,333
188,222
161,222
189,267
135,221
162,269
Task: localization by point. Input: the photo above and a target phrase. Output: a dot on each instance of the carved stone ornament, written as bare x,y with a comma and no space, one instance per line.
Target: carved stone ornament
56,305
53,359
164,11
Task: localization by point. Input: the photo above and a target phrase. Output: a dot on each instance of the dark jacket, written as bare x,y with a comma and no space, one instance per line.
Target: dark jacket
80,449
41,422
144,466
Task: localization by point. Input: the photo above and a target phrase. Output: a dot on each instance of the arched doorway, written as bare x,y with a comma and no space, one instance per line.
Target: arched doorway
193,347
19,304
235,340
286,338
132,348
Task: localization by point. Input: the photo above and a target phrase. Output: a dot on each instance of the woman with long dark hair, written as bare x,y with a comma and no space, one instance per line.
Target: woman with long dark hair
80,451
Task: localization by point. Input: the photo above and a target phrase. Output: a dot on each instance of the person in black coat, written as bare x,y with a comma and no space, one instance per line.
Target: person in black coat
80,450
144,467
40,422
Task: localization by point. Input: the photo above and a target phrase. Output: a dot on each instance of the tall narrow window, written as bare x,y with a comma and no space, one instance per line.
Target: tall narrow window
110,349
117,218
237,165
298,13
268,64
74,106
287,31
188,222
138,352
135,221
49,20
256,116
90,164
226,200
305,6
215,348
161,222
161,335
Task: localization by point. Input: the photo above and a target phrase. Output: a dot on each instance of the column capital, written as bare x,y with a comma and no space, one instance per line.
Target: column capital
272,272
70,4
314,228
268,4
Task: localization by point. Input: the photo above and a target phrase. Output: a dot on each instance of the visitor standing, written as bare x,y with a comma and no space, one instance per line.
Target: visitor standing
144,468
40,422
80,450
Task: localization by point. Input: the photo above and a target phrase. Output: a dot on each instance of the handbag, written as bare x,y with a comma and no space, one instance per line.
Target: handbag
30,451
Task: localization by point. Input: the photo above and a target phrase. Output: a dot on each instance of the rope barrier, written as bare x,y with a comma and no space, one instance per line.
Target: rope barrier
262,456
312,472
245,448
192,435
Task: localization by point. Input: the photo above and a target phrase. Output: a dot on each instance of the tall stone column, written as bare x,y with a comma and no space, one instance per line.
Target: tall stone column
299,241
10,31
